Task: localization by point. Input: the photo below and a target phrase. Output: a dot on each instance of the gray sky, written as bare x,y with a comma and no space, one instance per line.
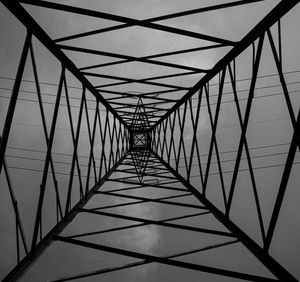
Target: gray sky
269,124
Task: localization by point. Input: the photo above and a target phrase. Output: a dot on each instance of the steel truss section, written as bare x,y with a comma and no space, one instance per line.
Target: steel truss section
157,174
148,140
107,129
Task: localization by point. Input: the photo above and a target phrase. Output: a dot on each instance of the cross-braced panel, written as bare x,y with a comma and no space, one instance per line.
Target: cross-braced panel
120,126
235,138
137,219
58,142
156,58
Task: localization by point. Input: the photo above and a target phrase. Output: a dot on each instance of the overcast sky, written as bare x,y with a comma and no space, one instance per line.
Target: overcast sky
269,124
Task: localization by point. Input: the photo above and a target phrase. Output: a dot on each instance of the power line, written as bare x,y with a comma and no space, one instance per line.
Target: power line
40,82
200,130
49,103
84,165
42,160
201,155
214,84
237,125
246,169
250,148
44,152
192,176
39,170
242,159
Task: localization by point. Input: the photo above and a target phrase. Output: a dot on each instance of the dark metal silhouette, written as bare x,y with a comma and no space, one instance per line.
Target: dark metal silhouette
143,137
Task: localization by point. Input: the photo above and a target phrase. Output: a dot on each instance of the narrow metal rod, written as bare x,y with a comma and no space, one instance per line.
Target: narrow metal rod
14,98
260,217
92,139
256,65
38,218
269,262
39,95
15,206
283,184
17,272
27,20
73,136
68,200
160,223
279,11
182,264
155,26
143,262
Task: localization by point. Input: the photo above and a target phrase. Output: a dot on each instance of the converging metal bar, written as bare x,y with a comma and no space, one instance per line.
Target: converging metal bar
195,121
19,223
38,219
143,262
160,18
91,157
44,123
73,137
163,260
24,17
283,183
279,11
75,145
127,58
256,64
214,124
247,150
270,263
19,270
97,14
14,98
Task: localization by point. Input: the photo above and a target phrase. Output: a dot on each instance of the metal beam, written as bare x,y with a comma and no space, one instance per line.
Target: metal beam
16,273
130,21
14,98
178,263
270,263
279,11
143,262
24,17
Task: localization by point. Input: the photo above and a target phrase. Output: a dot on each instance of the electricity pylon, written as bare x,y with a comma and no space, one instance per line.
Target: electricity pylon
142,153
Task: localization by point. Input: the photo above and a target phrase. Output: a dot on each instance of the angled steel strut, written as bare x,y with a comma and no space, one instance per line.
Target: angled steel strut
141,148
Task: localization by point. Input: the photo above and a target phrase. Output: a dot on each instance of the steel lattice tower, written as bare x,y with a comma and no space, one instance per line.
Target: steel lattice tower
145,148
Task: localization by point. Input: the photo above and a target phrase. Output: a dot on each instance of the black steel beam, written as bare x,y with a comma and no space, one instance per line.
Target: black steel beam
130,21
131,80
179,52
159,201
127,58
143,262
279,11
161,223
283,183
16,273
160,18
269,262
178,263
204,9
24,17
38,218
14,98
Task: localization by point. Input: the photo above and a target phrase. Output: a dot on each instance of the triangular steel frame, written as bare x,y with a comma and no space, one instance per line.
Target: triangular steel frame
166,165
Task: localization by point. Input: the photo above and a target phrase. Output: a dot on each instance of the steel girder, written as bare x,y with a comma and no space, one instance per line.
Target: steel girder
157,168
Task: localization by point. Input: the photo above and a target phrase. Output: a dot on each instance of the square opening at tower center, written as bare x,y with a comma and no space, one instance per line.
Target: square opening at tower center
139,139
